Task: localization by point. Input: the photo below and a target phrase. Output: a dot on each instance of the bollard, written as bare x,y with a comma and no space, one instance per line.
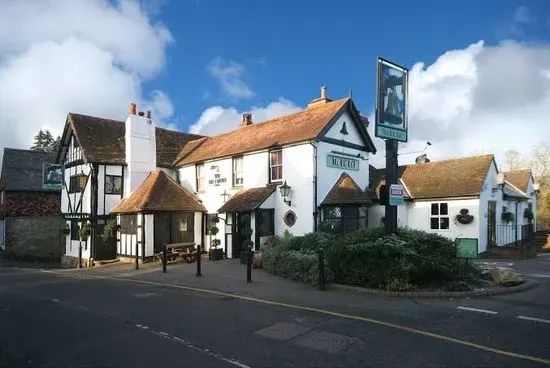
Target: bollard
199,256
137,257
249,266
321,269
164,255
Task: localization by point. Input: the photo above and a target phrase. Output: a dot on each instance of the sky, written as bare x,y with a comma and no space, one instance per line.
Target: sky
479,70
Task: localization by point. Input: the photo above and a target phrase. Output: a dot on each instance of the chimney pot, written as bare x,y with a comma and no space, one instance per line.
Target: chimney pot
148,114
247,119
132,108
323,92
141,113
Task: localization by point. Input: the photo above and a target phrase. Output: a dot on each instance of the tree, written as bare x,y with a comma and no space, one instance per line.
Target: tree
514,160
44,141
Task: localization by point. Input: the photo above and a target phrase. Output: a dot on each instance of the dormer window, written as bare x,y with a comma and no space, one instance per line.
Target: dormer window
276,166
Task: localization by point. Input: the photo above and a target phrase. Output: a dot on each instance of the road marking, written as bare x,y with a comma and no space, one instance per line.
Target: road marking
535,319
477,310
321,311
539,275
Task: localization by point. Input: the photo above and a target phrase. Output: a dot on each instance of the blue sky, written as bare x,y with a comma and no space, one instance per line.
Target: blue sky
291,48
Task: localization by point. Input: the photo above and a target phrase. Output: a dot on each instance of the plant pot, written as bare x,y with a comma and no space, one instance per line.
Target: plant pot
215,254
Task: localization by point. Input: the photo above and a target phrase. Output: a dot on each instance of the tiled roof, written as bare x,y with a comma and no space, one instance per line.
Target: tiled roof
519,179
247,199
345,191
157,193
511,192
102,140
447,178
298,127
22,170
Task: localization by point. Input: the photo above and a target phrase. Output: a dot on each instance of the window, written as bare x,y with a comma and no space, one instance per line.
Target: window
199,172
77,183
275,165
128,224
209,222
237,171
113,184
75,230
439,219
266,222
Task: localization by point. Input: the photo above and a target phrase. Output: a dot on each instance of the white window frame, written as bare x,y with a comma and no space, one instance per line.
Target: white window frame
439,216
271,166
200,180
238,177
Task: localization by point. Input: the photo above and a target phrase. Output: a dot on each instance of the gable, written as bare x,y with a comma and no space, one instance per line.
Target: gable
345,129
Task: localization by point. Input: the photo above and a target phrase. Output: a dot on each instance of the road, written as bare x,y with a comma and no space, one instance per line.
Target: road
125,319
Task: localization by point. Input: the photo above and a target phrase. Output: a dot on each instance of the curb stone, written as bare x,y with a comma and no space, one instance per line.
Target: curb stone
527,285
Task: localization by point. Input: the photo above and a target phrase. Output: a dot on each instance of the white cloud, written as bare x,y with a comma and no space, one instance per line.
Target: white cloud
481,99
60,56
230,77
523,15
217,119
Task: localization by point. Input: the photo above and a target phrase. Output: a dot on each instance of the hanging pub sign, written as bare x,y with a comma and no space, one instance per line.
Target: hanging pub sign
52,176
391,101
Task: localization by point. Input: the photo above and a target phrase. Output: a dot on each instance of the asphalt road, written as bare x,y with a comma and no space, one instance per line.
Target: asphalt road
71,320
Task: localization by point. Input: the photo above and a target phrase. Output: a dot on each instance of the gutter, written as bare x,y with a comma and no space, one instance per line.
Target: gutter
314,186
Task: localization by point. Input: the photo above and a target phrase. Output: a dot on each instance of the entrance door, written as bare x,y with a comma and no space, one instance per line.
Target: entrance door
105,247
492,224
162,230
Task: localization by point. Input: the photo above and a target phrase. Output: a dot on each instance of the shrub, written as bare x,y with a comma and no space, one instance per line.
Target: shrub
309,243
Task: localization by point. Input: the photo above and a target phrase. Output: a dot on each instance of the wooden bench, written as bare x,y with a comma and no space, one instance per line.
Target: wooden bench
177,251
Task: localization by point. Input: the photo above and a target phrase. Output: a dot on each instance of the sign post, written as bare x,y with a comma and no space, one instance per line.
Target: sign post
391,124
466,248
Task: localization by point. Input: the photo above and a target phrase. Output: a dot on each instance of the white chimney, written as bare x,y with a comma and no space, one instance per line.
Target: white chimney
141,149
500,178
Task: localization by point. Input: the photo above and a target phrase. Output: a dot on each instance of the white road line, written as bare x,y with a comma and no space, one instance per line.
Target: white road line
534,319
477,310
539,275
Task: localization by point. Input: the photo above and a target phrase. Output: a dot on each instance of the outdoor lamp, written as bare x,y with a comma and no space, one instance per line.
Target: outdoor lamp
285,191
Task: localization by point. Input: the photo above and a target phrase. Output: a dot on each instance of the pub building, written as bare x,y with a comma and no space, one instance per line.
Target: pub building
286,174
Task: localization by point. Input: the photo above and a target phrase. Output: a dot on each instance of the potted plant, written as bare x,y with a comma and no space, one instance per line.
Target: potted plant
528,214
247,243
85,230
110,228
215,253
66,229
464,217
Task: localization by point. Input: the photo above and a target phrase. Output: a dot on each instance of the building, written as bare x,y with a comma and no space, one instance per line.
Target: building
104,161
30,197
286,174
464,197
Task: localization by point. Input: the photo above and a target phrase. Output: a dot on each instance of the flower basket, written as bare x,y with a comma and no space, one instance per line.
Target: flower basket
507,217
464,217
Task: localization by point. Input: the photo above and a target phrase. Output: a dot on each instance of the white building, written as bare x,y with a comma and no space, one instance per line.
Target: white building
320,155
436,192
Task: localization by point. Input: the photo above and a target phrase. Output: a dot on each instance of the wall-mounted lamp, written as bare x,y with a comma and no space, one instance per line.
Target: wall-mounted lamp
285,191
225,195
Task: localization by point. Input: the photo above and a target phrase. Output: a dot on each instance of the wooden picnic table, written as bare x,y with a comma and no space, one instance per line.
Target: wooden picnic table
176,251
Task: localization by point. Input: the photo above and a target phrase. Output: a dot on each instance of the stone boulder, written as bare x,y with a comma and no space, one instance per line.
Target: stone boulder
257,260
506,276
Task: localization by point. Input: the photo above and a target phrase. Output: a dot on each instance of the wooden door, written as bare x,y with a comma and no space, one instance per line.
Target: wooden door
492,224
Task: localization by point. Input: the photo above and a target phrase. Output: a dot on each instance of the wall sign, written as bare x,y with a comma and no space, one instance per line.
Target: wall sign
396,194
217,180
467,248
391,101
75,216
289,218
342,162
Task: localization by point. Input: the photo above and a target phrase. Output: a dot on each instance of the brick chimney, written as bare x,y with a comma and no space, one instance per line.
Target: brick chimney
320,100
247,119
140,148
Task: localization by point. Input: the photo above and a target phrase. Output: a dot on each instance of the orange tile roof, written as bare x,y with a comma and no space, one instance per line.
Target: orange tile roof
247,199
459,177
298,127
157,193
519,179
345,191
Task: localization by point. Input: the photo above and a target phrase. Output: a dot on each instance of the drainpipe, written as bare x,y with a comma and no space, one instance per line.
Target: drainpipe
315,214
516,223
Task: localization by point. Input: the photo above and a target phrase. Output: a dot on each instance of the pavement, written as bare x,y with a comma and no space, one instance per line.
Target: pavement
116,316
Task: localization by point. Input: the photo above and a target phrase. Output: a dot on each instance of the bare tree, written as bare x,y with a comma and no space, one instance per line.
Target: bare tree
515,160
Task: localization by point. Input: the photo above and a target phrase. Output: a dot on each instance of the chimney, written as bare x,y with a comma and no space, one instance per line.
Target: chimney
132,108
247,119
140,148
320,100
148,114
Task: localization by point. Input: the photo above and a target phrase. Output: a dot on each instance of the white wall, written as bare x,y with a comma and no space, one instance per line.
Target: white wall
197,228
149,235
353,135
140,153
72,246
127,242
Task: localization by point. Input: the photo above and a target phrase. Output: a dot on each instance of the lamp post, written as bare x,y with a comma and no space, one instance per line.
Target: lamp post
285,191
